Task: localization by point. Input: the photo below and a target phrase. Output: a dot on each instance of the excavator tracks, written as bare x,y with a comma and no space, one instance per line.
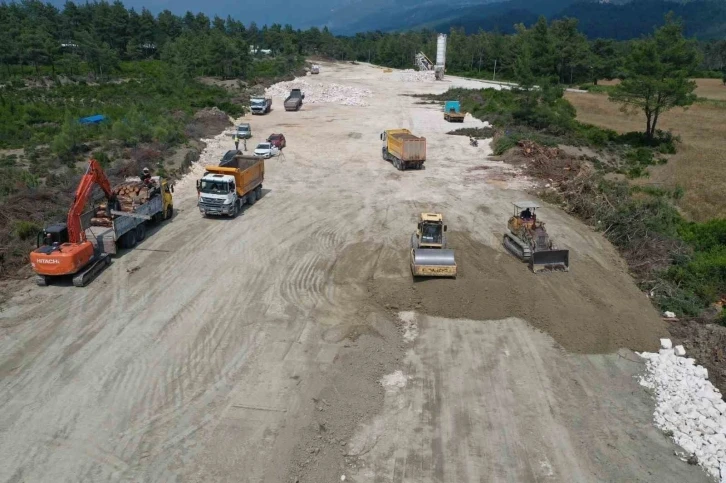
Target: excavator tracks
81,279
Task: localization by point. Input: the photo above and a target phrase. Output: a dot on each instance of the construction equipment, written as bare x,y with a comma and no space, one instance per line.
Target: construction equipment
452,112
294,101
260,105
63,248
423,63
528,240
139,204
403,149
223,190
429,255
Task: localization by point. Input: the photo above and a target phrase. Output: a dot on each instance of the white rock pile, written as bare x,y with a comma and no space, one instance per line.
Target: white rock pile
410,75
317,92
688,406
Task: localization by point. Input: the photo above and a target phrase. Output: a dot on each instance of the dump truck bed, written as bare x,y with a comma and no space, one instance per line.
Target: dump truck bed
407,147
248,172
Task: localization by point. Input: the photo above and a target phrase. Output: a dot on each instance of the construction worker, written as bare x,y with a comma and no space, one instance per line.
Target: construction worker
145,175
236,141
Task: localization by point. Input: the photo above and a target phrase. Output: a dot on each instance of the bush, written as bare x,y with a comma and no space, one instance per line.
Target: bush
594,135
14,180
26,229
102,158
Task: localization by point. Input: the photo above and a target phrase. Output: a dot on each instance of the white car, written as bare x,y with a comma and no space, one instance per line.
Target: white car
266,150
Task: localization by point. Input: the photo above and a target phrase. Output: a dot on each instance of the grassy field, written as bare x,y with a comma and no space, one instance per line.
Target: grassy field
698,166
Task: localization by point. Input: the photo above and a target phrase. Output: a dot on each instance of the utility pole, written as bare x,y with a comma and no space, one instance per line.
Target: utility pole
495,70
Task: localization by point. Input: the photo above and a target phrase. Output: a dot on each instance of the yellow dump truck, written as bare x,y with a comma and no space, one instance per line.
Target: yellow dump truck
403,149
224,189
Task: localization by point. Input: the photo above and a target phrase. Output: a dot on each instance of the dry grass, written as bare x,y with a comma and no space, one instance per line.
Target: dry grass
711,89
708,88
699,164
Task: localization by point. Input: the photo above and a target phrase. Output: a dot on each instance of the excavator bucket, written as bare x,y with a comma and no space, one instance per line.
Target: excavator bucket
550,260
426,262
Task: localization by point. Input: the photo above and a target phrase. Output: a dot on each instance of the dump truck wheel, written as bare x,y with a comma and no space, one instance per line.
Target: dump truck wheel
252,198
258,192
140,232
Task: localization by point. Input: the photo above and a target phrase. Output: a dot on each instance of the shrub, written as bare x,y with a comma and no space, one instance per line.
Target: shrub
25,229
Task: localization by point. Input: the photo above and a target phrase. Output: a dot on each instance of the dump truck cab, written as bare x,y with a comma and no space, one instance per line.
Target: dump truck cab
218,193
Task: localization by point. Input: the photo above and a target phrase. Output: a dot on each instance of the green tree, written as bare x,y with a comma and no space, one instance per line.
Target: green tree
657,72
572,52
66,142
604,60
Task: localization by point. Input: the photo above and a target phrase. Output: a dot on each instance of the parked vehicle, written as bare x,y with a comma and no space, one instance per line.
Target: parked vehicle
266,150
452,112
260,105
224,189
277,140
403,149
128,226
315,69
244,131
294,100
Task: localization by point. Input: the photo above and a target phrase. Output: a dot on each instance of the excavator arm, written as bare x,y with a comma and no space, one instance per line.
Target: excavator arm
94,175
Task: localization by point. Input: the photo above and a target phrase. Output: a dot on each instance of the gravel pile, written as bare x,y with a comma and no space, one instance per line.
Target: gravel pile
688,407
410,75
316,92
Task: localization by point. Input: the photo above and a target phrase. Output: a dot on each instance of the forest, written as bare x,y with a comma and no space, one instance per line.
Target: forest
95,38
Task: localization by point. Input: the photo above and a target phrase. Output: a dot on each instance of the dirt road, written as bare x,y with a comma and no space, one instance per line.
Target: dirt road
253,349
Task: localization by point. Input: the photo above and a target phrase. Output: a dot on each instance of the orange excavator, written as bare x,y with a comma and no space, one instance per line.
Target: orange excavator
63,248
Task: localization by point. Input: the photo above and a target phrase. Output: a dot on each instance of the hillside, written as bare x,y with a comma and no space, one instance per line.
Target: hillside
705,19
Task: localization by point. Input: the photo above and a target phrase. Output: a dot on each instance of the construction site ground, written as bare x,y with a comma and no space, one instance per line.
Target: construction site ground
291,344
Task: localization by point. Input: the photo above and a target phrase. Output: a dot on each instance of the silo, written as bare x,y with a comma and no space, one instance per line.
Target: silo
440,56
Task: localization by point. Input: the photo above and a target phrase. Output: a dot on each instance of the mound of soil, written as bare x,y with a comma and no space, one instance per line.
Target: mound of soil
588,310
208,122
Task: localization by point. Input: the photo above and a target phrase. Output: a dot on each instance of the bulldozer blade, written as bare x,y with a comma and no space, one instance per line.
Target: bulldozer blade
432,263
549,260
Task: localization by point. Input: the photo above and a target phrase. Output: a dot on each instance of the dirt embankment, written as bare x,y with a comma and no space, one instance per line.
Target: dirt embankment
703,340
707,344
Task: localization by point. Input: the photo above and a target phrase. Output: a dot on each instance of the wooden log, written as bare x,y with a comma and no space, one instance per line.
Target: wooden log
105,222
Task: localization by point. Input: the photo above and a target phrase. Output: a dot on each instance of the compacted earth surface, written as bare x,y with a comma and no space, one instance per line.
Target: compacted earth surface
291,343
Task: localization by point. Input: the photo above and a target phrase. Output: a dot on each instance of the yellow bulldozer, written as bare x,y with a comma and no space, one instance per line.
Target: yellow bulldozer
429,255
528,240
